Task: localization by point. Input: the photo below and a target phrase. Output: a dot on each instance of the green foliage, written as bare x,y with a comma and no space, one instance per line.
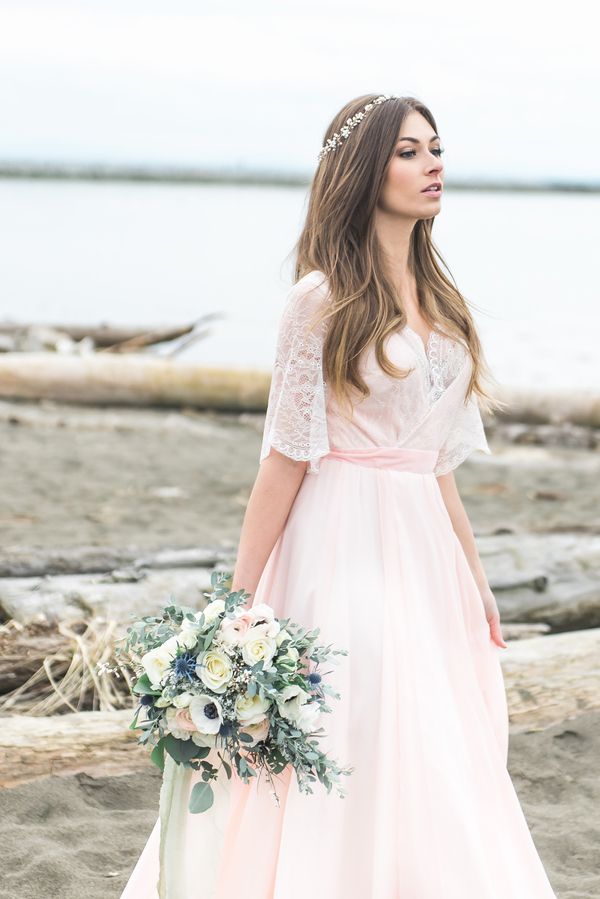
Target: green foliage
201,798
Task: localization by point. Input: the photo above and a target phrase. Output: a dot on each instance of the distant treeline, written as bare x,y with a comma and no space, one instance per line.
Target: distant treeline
265,178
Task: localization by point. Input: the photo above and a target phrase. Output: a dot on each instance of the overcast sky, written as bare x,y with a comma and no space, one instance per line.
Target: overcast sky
513,86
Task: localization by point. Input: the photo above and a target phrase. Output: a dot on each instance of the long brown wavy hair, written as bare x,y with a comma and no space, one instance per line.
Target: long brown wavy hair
339,239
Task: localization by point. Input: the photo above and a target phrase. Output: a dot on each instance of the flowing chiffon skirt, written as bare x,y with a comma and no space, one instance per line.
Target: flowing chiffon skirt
369,555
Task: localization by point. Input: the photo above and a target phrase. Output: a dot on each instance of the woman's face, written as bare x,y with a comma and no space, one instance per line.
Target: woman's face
415,165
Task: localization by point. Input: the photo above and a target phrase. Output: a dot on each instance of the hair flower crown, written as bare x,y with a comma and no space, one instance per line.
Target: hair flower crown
351,123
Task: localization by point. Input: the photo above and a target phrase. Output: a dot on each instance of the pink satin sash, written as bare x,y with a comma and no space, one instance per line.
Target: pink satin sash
398,458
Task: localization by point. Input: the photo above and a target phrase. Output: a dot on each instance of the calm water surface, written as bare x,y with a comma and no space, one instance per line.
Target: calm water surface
153,253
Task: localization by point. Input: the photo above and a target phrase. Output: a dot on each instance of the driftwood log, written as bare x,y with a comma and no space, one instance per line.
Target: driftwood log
548,680
107,336
131,379
22,561
97,743
538,579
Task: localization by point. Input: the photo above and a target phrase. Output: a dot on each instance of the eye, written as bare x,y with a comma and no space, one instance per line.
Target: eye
407,154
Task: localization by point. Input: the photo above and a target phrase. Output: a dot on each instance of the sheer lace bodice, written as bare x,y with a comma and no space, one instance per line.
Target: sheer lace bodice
426,410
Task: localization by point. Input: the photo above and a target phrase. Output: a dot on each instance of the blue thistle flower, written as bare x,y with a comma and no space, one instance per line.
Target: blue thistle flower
314,678
184,666
146,699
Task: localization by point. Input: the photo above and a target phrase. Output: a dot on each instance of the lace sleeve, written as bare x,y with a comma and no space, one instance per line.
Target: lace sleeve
466,435
296,420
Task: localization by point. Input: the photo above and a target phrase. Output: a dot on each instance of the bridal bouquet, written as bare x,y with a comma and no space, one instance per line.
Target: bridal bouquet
231,686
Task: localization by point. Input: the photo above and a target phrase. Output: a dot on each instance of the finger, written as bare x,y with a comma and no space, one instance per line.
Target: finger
496,632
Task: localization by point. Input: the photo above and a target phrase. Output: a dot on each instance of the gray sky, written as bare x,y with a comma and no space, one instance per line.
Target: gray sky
513,86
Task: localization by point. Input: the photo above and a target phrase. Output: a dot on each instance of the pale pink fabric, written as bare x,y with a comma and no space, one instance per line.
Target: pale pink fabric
368,554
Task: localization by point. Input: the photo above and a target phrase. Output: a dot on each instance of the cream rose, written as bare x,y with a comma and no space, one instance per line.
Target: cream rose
209,740
188,635
258,731
215,670
283,635
251,709
212,610
157,662
183,700
257,646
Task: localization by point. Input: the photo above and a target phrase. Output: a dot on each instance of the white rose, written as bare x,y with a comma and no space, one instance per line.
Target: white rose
212,610
251,709
283,635
157,662
291,653
183,700
258,647
162,702
188,635
215,670
209,740
308,716
290,701
207,713
259,732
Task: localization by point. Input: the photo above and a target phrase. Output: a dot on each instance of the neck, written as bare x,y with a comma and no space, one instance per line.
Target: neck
393,234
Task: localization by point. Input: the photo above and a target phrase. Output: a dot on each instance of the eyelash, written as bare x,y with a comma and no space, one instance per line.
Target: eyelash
437,150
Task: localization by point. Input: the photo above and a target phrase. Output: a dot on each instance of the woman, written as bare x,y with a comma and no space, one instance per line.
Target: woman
354,525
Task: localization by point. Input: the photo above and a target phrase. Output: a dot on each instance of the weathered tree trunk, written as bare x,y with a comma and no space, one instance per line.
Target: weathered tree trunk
109,379
548,680
19,561
552,678
131,379
95,742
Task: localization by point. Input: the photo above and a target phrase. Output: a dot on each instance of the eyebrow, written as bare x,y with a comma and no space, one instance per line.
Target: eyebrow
415,141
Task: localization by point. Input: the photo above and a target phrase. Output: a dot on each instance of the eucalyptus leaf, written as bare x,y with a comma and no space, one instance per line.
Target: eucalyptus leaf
180,750
201,798
158,755
143,686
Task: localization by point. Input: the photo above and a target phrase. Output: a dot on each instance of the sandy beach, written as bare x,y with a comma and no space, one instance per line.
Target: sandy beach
76,837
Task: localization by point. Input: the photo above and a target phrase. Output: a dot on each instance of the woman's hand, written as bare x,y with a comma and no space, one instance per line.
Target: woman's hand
492,615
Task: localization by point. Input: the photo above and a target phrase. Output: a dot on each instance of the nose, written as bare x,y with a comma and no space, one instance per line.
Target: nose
436,164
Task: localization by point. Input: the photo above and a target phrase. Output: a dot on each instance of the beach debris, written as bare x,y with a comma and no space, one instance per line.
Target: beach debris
55,668
548,680
131,379
86,339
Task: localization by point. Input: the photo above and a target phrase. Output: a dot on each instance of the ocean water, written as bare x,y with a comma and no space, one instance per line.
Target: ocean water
147,254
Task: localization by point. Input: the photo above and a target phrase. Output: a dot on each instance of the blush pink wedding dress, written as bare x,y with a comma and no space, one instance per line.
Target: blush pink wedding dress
368,554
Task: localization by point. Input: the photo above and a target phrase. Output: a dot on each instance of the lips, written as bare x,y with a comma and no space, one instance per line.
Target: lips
435,187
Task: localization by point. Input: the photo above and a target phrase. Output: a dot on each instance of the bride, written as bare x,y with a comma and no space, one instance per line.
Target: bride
355,525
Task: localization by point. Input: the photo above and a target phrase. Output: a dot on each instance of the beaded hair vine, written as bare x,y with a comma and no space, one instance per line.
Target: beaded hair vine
351,123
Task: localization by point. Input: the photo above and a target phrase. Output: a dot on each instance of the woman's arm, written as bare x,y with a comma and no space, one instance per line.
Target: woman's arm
274,491
464,532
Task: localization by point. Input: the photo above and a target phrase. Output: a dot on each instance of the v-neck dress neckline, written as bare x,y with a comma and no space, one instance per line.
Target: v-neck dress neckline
425,344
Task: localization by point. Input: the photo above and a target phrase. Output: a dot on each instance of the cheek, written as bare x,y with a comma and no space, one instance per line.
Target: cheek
399,180
400,175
